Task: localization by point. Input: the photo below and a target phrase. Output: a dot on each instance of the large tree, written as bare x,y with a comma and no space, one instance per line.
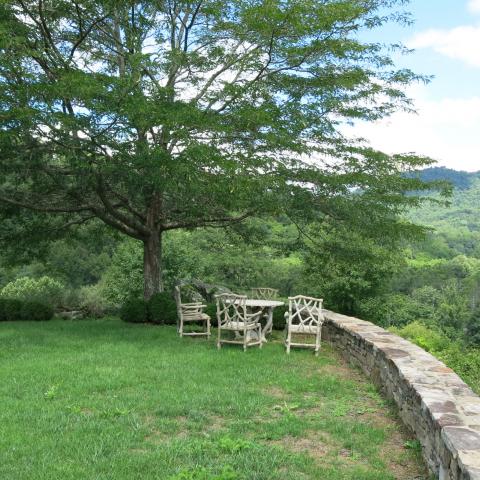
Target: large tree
161,114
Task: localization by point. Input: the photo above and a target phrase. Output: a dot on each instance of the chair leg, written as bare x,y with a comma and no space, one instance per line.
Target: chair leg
260,336
219,335
244,340
181,328
289,339
317,343
208,328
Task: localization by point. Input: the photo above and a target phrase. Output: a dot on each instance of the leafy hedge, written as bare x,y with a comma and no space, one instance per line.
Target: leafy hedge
279,321
160,309
13,309
134,310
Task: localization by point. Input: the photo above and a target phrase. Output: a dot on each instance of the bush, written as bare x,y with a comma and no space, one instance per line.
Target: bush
134,310
279,321
36,311
10,309
427,338
162,309
473,329
211,311
43,290
93,301
464,361
389,310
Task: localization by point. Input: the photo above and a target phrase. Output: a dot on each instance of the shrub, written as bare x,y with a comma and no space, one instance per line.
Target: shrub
473,329
162,309
465,362
93,301
44,290
211,311
430,340
36,311
134,310
389,310
10,309
279,320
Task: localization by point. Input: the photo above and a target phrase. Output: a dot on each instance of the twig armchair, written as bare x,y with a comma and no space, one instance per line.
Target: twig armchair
191,312
304,317
232,316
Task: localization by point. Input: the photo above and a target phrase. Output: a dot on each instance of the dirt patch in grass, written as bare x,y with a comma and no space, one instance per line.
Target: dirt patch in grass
311,446
401,460
276,392
158,436
216,422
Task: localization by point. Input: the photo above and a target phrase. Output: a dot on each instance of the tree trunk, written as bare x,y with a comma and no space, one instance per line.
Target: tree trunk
152,265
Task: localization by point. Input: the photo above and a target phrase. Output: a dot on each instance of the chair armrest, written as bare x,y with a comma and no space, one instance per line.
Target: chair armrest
249,317
193,308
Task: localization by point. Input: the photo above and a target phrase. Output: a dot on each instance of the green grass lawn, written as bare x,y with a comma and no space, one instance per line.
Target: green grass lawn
100,399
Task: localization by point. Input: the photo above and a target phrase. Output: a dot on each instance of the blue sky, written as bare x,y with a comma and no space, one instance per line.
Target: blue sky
446,39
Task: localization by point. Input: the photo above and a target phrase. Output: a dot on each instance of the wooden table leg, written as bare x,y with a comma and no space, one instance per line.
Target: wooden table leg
268,326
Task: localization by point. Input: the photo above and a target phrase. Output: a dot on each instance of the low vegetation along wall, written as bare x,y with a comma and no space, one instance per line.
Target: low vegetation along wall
442,411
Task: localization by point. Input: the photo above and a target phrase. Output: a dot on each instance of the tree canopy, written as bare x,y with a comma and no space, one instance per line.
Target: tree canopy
158,115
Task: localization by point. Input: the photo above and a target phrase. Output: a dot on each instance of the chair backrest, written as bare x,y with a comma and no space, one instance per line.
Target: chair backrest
264,293
305,311
231,308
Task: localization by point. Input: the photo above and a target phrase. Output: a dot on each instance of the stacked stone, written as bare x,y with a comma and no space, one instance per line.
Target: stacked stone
442,411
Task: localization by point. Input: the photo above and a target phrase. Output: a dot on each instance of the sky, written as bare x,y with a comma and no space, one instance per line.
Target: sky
446,42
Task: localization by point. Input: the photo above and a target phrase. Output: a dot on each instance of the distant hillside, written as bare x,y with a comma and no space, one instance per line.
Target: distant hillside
457,225
458,178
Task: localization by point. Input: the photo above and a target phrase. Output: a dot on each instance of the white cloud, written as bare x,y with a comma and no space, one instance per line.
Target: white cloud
474,6
459,43
446,130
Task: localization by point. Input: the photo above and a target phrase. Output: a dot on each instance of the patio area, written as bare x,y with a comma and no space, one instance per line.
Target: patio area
104,399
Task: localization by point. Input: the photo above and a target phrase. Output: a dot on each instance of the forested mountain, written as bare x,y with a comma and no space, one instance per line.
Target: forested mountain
456,220
458,178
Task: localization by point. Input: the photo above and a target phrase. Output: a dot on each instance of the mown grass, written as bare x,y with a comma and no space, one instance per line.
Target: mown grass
100,399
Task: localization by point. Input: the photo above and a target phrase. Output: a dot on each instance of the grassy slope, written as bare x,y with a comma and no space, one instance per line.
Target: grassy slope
106,400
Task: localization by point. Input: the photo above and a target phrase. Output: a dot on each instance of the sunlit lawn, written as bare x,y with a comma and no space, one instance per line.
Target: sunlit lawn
100,399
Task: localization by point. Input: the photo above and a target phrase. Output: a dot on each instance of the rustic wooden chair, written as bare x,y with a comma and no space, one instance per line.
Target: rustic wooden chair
264,293
191,312
232,316
304,317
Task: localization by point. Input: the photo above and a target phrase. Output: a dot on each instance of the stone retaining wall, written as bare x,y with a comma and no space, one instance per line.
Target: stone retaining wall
433,401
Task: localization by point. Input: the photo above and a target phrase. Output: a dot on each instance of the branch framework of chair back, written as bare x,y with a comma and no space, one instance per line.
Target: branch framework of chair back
264,293
232,316
306,312
231,308
305,317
